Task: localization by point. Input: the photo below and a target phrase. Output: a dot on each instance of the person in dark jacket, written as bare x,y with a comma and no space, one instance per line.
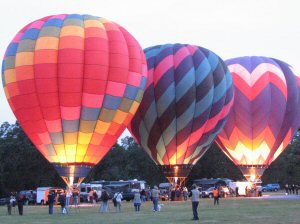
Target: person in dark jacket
104,198
62,201
51,201
173,194
195,194
20,200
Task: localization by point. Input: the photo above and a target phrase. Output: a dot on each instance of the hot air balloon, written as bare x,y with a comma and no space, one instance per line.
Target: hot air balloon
74,82
186,103
265,113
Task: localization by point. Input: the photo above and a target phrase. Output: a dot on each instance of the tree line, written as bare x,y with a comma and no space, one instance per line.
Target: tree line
22,166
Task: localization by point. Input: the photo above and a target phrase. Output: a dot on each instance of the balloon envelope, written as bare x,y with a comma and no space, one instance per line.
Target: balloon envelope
265,113
186,103
74,82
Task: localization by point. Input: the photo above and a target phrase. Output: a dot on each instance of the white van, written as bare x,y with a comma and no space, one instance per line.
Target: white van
85,188
43,192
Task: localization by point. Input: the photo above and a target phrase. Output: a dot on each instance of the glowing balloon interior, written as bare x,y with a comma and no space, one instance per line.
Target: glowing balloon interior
186,103
265,113
74,82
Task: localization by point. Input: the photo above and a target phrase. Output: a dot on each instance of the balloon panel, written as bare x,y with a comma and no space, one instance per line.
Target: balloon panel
264,117
186,103
74,82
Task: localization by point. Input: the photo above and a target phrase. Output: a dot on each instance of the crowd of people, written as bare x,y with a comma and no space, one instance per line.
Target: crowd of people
291,189
70,198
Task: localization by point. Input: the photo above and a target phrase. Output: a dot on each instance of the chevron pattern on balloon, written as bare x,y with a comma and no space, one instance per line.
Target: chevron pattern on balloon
265,112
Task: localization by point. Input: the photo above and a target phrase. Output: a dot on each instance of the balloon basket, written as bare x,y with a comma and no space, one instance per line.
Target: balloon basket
253,173
176,174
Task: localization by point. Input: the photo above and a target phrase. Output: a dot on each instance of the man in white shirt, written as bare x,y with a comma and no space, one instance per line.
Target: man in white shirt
118,196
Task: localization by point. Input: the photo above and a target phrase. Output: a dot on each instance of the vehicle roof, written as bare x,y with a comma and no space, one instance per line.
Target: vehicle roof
117,185
43,188
209,181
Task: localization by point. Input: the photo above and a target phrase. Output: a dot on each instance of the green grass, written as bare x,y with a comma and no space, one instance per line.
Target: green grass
231,211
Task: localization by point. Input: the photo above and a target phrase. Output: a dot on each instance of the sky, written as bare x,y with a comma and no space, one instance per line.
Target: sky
230,28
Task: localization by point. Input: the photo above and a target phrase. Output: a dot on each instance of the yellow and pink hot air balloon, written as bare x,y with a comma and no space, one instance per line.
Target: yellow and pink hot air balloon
74,82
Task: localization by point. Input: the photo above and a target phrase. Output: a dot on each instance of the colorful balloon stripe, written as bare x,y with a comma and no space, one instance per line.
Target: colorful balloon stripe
74,82
186,103
265,112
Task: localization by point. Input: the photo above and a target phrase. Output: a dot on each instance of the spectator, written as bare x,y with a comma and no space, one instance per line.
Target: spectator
290,189
75,195
10,203
62,201
296,188
155,195
237,191
293,188
185,193
118,197
137,201
51,200
178,193
95,197
216,196
68,198
143,195
195,194
20,201
91,196
286,187
104,198
173,194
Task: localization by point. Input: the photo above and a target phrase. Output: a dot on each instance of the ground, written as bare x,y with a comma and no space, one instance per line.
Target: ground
266,210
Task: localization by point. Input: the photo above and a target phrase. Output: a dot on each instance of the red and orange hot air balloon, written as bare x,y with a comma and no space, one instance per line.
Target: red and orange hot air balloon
185,105
74,82
265,114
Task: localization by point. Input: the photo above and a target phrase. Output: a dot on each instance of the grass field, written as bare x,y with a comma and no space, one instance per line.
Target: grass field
240,210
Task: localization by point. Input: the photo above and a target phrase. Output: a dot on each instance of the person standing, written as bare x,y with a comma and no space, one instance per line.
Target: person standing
195,194
178,194
20,200
118,196
143,195
155,195
216,196
173,194
75,195
104,198
286,187
236,191
290,189
68,198
10,203
62,201
51,200
137,201
91,198
95,197
185,193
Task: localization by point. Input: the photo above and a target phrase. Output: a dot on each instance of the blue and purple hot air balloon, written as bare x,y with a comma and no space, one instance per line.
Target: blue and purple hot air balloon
186,103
